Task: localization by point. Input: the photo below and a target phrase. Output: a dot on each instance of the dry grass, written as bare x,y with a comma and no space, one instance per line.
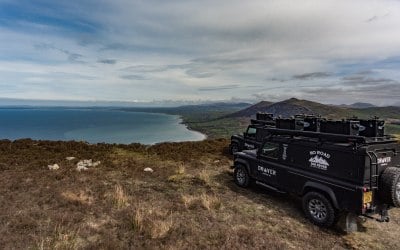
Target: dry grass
189,201
152,223
210,202
181,169
204,176
120,199
137,221
61,238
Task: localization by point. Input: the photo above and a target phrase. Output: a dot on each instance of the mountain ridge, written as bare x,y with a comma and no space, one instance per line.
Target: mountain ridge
293,106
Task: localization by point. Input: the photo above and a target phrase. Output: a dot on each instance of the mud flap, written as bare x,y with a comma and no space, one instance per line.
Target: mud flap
349,223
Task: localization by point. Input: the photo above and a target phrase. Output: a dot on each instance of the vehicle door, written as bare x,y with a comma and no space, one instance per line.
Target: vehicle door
266,169
250,141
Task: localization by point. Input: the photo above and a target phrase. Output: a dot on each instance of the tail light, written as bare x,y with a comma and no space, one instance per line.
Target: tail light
367,199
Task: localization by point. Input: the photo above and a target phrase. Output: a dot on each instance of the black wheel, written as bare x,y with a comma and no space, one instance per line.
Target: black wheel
242,178
234,147
389,188
319,209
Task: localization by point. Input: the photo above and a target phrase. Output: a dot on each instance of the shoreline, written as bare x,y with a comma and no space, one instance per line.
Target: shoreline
186,124
175,124
181,120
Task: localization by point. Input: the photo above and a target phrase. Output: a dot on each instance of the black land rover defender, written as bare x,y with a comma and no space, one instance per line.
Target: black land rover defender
333,173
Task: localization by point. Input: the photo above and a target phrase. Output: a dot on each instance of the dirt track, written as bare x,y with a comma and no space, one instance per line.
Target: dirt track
189,201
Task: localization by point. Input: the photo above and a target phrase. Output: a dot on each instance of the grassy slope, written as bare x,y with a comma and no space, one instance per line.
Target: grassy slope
189,201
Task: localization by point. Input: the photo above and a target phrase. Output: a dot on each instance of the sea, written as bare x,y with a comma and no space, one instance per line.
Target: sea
93,125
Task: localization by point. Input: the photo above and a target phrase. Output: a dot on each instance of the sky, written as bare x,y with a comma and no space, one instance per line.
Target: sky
339,51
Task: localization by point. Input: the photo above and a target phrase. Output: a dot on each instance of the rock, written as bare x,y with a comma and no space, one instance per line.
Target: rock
148,170
53,167
88,162
96,163
85,164
81,167
70,158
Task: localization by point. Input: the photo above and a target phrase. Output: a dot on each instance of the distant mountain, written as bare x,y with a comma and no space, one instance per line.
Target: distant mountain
295,106
252,110
289,108
359,105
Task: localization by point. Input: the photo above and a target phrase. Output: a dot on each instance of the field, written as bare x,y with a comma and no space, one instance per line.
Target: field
189,201
392,129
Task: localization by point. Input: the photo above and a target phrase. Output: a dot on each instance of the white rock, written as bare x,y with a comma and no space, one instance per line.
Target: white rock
70,158
87,163
53,167
81,167
96,163
148,170
84,164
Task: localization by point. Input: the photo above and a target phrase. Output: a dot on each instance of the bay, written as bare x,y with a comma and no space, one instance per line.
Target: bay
93,125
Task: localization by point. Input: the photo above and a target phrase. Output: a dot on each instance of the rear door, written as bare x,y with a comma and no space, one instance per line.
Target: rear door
382,156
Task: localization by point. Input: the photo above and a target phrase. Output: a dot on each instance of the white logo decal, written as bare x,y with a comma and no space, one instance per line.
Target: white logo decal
319,160
284,154
250,146
266,171
384,161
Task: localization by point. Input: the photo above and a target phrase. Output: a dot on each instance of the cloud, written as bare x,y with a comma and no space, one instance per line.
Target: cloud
133,77
375,17
363,80
156,50
71,56
308,76
222,87
107,61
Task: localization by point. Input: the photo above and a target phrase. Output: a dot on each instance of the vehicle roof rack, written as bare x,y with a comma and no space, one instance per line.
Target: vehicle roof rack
262,122
332,137
318,135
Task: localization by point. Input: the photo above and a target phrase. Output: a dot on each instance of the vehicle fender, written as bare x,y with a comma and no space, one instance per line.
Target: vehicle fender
323,188
235,140
244,163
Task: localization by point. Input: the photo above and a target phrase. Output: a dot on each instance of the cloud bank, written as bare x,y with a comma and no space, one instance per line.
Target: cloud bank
330,51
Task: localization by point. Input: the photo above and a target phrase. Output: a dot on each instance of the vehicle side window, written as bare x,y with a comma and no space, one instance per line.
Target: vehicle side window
251,132
271,150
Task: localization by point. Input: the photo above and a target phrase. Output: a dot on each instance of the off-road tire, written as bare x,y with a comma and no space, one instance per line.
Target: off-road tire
318,209
389,187
233,148
241,175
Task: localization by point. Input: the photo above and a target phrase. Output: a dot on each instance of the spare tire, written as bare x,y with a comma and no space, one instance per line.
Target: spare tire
389,188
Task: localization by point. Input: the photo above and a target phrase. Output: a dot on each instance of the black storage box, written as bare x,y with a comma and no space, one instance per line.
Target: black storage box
264,116
372,128
290,123
348,127
312,123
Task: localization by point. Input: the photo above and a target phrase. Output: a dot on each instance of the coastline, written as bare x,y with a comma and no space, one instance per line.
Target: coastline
180,118
148,129
187,125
